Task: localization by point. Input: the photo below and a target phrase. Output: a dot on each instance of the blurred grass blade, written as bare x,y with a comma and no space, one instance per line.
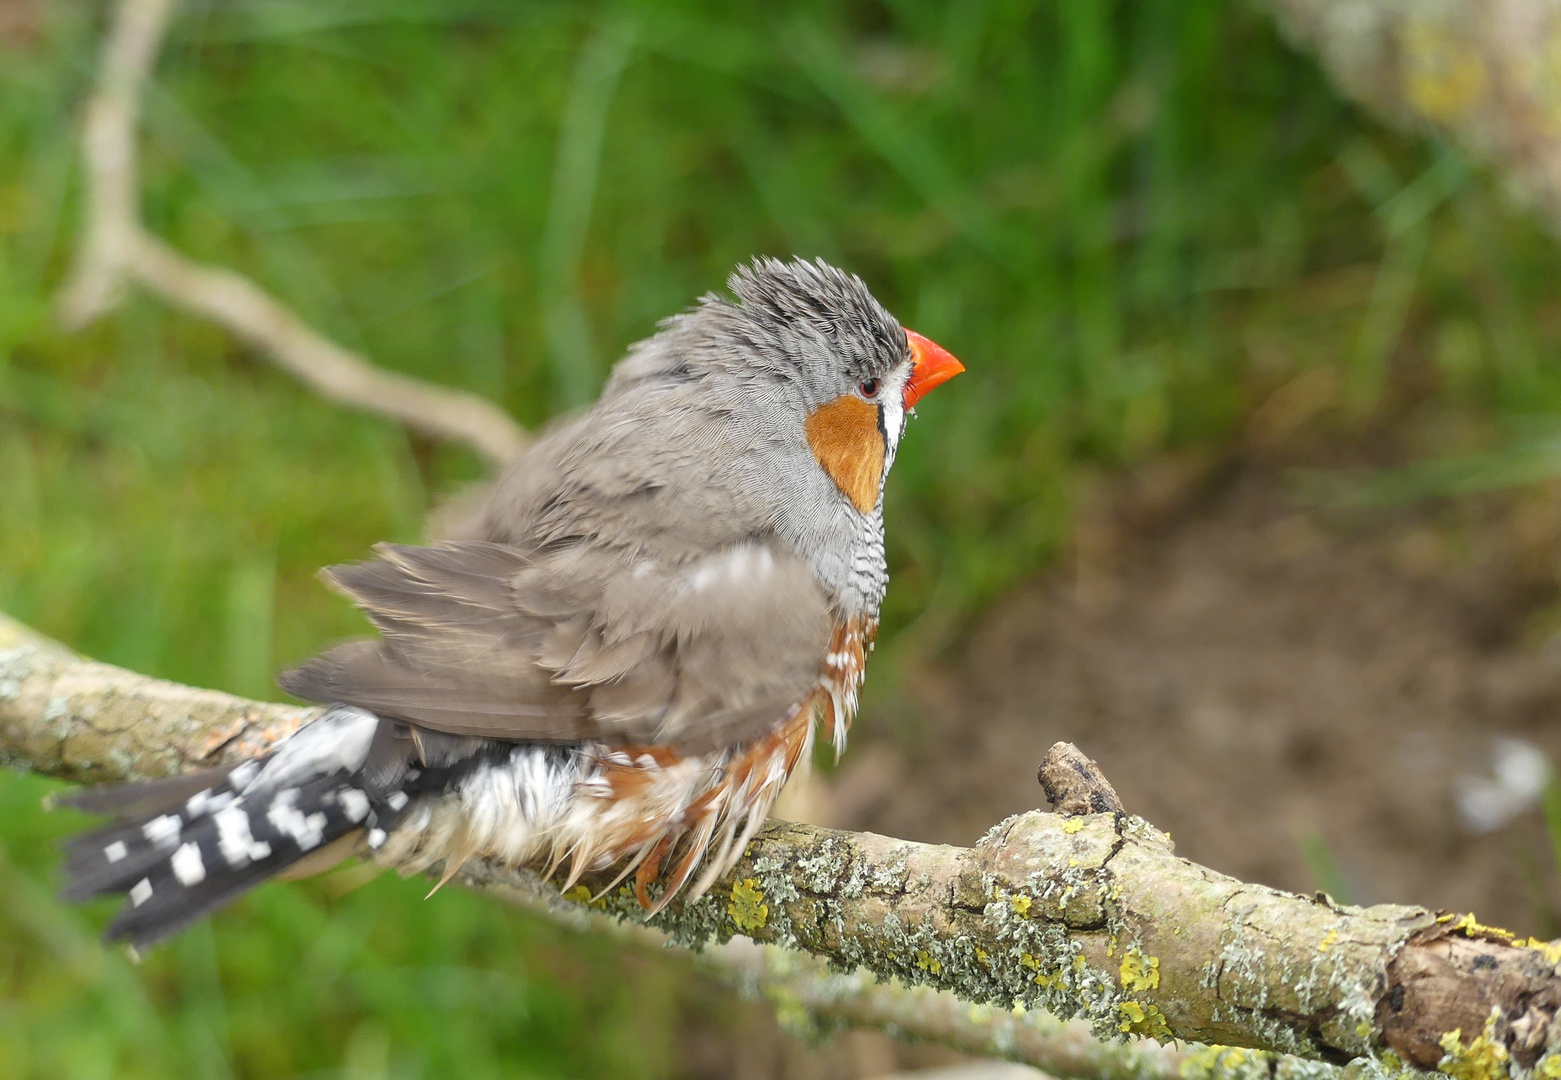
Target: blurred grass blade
901,143
1324,868
568,330
1552,808
1530,458
251,602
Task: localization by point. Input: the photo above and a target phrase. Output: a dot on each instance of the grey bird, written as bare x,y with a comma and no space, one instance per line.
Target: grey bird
653,613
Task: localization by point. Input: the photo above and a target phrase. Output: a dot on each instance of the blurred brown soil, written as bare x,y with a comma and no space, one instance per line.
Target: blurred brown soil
1260,677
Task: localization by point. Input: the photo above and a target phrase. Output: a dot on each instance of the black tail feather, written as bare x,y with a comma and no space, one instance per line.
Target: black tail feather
179,854
149,798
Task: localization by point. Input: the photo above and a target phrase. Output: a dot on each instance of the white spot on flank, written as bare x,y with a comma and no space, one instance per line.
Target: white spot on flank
162,831
141,892
187,865
354,804
116,851
397,800
376,837
195,806
746,560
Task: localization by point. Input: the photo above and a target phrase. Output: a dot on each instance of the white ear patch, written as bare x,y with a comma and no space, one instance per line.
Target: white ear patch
894,411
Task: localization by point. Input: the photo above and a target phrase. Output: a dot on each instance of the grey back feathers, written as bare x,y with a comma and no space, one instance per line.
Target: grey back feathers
665,567
585,643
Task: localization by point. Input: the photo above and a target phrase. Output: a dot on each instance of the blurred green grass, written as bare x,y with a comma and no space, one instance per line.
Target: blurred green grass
1139,224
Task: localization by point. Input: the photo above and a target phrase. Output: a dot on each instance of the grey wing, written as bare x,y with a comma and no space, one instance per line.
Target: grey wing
482,640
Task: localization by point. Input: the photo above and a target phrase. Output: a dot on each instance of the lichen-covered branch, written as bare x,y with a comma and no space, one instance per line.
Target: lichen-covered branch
1484,73
1090,916
806,994
115,248
65,716
62,715
811,998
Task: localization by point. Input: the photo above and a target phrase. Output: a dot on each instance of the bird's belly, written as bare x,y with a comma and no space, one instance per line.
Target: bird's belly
652,811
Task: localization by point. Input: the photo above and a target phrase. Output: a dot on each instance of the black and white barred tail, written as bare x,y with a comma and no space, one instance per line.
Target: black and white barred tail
180,848
352,782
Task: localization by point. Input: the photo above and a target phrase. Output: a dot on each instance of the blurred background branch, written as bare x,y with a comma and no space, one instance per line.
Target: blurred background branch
115,248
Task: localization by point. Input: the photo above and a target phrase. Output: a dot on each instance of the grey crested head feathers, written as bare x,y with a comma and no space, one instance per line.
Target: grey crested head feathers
807,322
776,415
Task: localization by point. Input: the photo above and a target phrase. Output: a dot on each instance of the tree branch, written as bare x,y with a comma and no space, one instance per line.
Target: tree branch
115,248
65,716
1090,916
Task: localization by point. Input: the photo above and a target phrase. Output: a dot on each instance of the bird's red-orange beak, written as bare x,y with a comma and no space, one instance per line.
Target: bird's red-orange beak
931,365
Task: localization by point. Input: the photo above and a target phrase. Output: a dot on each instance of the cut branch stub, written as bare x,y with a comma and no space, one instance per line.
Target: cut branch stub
1074,784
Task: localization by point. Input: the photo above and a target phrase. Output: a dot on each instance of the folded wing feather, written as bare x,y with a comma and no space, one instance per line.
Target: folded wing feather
584,643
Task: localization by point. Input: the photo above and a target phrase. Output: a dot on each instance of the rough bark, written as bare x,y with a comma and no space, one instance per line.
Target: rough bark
1090,916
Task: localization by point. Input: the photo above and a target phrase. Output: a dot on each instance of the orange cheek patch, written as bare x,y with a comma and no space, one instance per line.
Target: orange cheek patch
845,438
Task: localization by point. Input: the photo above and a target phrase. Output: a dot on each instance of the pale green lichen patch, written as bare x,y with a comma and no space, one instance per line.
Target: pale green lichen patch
1241,1063
827,869
1014,924
1058,862
1226,1063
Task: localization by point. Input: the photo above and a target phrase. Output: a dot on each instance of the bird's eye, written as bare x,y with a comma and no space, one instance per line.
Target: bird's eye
869,389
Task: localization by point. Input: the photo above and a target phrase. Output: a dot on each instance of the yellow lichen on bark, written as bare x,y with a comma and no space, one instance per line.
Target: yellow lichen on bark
1485,1058
747,908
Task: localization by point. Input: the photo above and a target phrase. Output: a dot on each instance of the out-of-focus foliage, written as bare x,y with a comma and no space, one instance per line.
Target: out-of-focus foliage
1143,226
